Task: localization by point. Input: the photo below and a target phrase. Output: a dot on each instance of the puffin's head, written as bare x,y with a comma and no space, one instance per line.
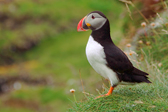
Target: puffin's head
94,21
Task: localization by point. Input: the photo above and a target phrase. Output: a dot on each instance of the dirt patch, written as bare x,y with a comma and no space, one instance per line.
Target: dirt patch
19,103
11,23
14,82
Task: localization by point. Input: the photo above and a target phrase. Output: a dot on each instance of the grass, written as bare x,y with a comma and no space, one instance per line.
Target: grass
154,49
58,54
131,98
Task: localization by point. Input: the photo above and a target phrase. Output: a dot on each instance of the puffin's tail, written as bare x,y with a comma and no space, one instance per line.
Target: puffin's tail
139,76
136,76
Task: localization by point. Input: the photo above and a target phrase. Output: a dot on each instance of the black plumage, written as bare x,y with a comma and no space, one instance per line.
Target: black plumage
116,58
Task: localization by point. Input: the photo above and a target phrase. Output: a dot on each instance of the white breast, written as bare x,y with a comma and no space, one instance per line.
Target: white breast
96,57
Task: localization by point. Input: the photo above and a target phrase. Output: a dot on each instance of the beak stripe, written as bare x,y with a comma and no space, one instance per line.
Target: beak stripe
82,25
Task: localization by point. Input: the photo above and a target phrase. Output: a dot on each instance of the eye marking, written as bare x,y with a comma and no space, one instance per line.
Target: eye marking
93,17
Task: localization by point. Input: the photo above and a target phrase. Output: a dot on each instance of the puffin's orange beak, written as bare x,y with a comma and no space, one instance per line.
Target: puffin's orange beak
82,25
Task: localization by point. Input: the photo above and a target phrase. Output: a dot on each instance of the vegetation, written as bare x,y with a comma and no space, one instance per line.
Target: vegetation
44,57
42,54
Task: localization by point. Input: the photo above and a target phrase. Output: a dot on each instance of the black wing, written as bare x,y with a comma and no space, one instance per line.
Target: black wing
117,60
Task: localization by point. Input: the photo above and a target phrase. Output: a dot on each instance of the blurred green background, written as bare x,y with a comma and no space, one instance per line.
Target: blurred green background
42,56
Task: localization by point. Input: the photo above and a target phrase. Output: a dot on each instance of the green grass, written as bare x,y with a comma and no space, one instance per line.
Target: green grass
157,49
128,98
59,53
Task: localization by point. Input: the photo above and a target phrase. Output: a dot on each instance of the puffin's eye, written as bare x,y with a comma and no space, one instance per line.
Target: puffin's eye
93,17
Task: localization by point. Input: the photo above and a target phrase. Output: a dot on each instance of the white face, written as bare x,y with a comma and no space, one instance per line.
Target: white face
95,20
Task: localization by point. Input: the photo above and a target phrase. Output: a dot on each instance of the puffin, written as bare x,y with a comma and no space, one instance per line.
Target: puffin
105,57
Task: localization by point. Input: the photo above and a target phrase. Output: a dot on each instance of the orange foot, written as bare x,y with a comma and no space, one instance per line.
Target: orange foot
109,93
